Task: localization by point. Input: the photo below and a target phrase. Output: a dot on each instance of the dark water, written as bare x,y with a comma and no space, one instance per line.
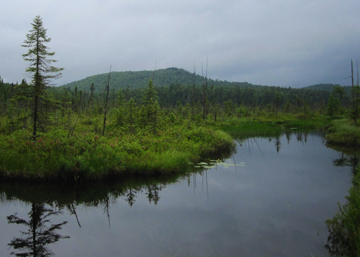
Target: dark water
272,203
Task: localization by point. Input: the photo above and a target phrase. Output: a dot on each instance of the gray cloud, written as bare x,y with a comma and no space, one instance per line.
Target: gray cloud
274,42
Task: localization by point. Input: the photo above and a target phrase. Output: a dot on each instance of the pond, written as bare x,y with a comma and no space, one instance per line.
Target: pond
270,198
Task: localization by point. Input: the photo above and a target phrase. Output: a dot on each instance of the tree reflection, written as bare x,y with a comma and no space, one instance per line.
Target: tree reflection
130,194
277,144
39,234
343,227
345,160
153,193
288,135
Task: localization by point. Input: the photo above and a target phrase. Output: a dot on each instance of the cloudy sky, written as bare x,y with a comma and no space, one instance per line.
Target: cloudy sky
270,42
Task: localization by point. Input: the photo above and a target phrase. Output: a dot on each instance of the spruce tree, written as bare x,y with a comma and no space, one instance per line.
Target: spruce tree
149,96
131,108
41,72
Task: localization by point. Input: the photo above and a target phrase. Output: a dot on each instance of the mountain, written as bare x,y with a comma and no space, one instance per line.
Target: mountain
140,79
162,77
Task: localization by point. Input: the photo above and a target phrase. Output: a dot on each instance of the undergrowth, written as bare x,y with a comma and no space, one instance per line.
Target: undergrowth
88,156
343,131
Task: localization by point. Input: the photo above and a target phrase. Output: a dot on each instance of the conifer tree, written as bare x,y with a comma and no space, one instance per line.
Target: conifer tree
333,106
120,111
41,72
155,115
277,102
131,114
150,95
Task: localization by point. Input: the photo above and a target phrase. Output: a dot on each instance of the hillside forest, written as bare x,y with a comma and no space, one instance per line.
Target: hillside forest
196,100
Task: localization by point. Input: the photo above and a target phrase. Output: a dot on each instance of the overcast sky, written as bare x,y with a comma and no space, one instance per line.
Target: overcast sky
270,42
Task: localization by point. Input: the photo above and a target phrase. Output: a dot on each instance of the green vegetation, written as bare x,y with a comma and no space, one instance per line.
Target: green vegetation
148,135
83,131
343,131
344,236
137,79
35,97
88,156
241,128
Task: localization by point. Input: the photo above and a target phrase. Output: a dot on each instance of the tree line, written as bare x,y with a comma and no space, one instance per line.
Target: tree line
38,105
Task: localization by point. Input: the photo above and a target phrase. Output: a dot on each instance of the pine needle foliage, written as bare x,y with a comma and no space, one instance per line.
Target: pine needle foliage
41,72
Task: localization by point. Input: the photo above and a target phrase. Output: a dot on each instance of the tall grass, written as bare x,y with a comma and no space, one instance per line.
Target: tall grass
343,132
88,156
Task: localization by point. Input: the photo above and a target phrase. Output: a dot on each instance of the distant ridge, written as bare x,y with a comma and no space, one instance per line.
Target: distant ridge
327,87
324,87
163,77
140,79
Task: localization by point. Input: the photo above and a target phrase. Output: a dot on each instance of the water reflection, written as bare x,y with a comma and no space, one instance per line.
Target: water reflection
134,191
277,144
40,232
300,135
339,242
153,193
349,156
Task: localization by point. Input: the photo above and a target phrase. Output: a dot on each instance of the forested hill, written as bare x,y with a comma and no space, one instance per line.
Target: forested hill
140,79
329,88
325,87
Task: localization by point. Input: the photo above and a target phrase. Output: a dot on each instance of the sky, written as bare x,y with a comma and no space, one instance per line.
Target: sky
287,43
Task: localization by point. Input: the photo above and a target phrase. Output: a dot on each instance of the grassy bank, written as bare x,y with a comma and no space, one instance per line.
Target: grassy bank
88,156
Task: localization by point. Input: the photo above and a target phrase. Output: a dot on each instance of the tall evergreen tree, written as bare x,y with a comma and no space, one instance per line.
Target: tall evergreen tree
150,95
41,72
131,114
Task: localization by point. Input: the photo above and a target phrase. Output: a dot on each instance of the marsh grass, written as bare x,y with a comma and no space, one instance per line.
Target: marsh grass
343,131
270,128
88,156
244,130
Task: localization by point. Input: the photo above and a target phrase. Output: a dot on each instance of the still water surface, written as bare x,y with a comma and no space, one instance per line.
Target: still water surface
273,202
